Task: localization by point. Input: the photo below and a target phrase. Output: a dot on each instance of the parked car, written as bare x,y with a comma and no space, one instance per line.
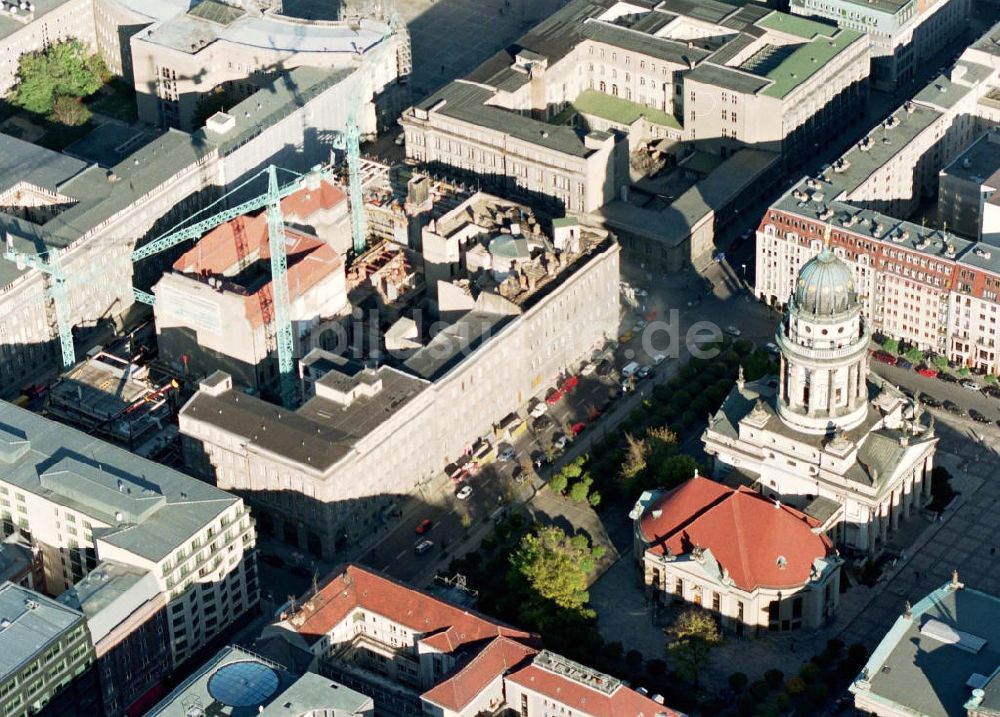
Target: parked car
275,561
954,408
464,492
639,325
518,474
605,367
577,428
400,139
537,409
885,357
659,358
927,371
506,452
423,526
733,331
978,417
538,458
559,441
644,372
542,423
588,369
970,385
947,377
930,401
904,364
991,391
625,337
553,397
423,546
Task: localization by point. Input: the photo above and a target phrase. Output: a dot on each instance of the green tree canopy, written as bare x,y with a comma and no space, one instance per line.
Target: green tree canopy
65,69
550,569
692,637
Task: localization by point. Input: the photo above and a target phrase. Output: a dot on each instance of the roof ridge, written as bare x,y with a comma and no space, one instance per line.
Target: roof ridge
741,539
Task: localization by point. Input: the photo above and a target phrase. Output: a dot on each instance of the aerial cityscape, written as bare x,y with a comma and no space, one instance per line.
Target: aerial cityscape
499,358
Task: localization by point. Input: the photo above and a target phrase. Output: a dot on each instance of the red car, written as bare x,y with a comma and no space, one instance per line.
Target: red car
553,397
569,384
424,525
577,428
884,357
928,372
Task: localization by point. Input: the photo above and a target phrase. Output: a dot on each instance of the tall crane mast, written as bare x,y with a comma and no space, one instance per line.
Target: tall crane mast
49,264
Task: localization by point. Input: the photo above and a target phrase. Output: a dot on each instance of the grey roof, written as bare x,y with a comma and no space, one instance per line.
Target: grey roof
320,433
42,7
314,692
26,162
945,92
673,224
270,104
988,42
923,675
979,163
658,47
273,680
731,78
159,508
110,594
29,623
467,102
821,508
713,11
15,558
454,343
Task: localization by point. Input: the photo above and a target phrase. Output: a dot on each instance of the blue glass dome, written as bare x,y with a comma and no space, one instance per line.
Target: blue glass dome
825,286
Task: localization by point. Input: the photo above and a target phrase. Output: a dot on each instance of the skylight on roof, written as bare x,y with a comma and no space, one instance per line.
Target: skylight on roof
946,634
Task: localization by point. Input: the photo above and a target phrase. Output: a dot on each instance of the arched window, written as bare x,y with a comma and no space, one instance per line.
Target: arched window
604,88
614,90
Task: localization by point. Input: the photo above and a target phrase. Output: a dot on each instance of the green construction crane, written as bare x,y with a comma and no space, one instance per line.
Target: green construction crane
271,200
49,264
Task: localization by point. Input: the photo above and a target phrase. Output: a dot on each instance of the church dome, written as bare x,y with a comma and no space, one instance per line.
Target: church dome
825,286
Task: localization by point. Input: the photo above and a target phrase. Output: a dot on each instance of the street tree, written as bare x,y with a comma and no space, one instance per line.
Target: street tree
691,639
550,571
64,70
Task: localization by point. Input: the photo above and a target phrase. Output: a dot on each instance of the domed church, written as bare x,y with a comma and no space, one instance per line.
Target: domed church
821,437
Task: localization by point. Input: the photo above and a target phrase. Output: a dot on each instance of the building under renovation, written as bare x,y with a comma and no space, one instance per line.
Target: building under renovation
215,309
442,343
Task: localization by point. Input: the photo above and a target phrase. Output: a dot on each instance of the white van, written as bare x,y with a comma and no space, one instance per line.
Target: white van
630,369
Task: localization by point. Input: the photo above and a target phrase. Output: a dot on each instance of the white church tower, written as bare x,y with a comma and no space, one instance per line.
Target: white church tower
824,351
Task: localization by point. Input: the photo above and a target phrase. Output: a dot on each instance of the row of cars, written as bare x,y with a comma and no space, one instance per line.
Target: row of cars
929,371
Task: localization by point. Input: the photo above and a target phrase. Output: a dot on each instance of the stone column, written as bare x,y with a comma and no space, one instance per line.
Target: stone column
928,467
894,503
908,497
883,522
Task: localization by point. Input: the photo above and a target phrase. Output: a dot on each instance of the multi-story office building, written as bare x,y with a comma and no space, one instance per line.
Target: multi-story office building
48,658
512,306
418,655
128,623
92,213
927,286
967,191
904,34
722,78
82,502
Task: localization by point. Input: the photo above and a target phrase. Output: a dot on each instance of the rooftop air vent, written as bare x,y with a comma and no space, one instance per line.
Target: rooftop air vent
220,123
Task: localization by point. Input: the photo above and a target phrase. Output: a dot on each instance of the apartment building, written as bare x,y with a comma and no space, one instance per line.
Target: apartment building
904,34
780,573
30,26
215,310
534,118
967,189
48,665
512,305
927,286
82,502
128,623
418,655
94,212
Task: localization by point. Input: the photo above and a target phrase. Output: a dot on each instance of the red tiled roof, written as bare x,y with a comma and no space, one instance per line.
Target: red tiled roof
448,627
623,702
305,202
745,531
499,657
309,259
